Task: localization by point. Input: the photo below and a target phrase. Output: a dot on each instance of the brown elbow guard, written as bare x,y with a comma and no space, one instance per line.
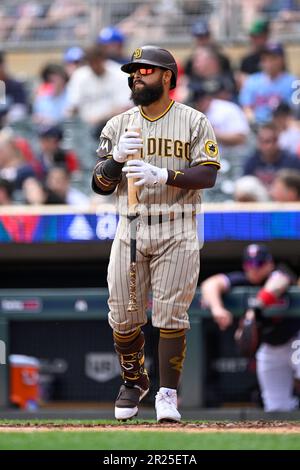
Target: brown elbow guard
102,181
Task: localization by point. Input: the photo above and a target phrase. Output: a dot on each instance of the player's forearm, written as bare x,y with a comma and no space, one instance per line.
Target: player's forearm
212,292
112,169
198,177
277,284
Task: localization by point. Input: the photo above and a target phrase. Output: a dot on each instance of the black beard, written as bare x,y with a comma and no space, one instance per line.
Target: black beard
147,95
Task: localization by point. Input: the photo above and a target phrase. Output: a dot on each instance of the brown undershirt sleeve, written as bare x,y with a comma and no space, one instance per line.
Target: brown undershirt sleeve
197,177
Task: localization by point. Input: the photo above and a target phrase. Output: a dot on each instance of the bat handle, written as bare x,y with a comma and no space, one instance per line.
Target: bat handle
132,216
132,189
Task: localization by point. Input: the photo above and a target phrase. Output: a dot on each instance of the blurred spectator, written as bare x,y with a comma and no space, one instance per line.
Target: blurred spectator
281,9
51,152
99,90
259,35
203,38
287,127
73,59
192,7
250,189
50,107
59,182
6,192
113,41
29,156
251,10
35,193
227,118
268,157
144,20
262,92
13,166
15,106
272,9
136,22
181,92
29,19
7,23
68,19
45,86
46,20
206,66
286,186
231,129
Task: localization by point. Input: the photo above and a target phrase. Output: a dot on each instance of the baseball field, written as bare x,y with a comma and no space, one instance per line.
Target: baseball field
148,435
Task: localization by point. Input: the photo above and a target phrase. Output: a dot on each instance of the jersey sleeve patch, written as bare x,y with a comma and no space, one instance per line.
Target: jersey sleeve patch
211,148
105,147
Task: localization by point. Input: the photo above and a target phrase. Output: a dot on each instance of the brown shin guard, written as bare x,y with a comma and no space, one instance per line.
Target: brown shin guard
130,350
171,351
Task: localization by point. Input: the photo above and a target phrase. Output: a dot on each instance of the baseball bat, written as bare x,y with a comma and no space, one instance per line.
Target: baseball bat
132,216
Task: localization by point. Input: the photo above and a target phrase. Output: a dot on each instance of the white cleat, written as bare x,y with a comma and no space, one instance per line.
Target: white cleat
166,406
125,413
126,406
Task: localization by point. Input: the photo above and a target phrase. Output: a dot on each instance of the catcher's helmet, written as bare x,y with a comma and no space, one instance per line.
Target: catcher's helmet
152,55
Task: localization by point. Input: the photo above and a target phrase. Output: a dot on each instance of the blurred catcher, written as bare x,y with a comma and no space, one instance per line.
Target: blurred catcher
270,339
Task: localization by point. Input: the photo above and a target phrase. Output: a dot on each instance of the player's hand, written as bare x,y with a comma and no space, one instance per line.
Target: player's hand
148,175
222,317
129,144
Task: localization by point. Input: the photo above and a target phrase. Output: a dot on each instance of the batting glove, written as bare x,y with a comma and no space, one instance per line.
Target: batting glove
129,144
149,175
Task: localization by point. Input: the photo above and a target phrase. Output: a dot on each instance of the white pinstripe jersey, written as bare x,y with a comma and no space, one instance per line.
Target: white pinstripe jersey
181,137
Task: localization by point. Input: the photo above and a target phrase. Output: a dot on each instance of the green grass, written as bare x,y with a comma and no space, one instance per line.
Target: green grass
101,439
121,440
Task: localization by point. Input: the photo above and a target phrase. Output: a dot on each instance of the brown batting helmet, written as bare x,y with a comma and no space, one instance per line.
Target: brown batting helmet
152,55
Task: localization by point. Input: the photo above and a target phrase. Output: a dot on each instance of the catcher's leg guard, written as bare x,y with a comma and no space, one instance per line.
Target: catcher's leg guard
130,350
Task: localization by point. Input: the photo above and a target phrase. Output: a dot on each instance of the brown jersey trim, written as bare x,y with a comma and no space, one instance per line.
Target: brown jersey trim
211,163
100,189
164,333
158,117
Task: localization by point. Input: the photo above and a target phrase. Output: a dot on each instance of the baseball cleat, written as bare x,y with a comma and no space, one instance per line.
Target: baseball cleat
126,405
166,406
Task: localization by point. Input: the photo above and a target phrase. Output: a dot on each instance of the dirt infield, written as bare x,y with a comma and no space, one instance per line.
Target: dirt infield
262,427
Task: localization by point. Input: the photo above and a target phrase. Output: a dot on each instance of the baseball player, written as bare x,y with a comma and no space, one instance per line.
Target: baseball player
179,157
278,367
